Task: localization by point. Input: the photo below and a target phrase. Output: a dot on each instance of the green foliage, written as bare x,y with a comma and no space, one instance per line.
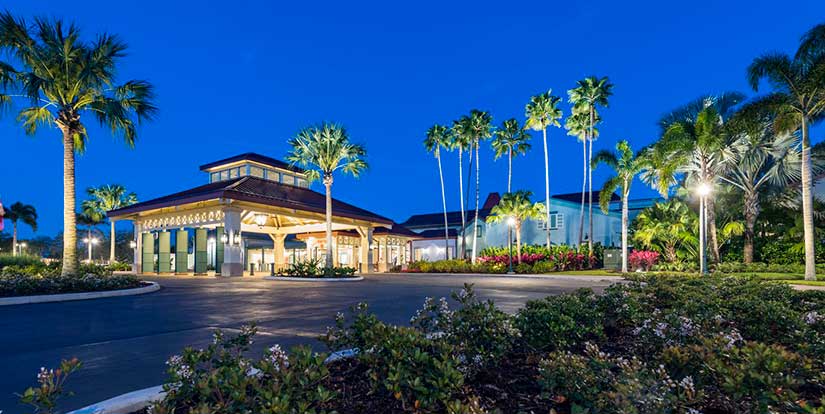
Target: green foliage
221,379
51,388
561,322
119,267
39,278
456,266
20,261
311,268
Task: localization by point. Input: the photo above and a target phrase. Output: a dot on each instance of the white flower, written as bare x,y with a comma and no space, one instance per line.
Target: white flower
812,317
277,357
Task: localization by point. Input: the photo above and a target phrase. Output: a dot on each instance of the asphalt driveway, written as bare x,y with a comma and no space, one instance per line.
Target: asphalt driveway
123,342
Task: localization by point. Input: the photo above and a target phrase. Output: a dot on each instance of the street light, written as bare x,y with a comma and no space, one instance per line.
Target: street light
511,221
20,247
703,190
90,241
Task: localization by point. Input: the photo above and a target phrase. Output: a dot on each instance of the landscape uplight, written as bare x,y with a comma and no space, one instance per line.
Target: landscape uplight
133,244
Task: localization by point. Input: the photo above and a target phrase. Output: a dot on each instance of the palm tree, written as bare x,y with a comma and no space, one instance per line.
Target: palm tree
627,166
798,101
543,111
437,137
693,140
591,92
321,151
577,125
458,141
107,198
510,139
476,127
516,205
20,212
61,78
667,227
89,216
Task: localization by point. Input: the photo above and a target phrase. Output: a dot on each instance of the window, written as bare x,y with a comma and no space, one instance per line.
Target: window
233,173
214,177
224,175
288,179
556,222
256,171
273,175
480,231
300,182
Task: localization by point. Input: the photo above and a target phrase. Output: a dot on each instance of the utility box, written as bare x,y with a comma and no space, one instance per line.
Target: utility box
613,259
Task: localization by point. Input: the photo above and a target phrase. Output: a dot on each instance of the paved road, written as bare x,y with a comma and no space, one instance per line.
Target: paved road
123,342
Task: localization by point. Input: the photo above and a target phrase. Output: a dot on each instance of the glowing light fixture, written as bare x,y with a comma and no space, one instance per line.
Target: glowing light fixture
225,238
703,189
260,219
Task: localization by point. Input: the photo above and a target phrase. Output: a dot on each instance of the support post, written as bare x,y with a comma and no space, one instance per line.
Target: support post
138,252
365,250
278,250
232,252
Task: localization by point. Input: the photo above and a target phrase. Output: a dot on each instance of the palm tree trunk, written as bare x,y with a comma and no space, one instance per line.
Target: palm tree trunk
328,188
751,210
14,238
444,204
475,219
584,190
509,168
807,204
625,194
111,241
69,219
546,187
710,215
590,185
461,197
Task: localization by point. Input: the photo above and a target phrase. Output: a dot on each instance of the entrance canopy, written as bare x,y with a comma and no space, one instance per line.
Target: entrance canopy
244,204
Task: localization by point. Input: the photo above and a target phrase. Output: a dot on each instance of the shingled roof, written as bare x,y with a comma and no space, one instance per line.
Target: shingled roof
256,190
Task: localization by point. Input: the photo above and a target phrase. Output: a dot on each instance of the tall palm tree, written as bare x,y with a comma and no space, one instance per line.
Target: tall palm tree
437,137
516,205
20,212
107,198
578,125
458,141
89,216
591,92
626,166
60,78
510,139
476,127
798,99
693,138
541,112
321,151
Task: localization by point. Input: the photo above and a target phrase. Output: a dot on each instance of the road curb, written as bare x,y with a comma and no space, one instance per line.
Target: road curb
314,279
136,400
65,297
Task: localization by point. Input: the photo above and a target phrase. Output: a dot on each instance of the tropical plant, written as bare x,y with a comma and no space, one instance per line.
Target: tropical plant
518,207
541,112
61,78
694,138
578,125
20,212
458,141
589,93
627,166
322,150
476,127
510,139
438,137
668,228
107,198
798,100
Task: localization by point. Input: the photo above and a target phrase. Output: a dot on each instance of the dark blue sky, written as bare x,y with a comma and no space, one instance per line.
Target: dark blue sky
244,76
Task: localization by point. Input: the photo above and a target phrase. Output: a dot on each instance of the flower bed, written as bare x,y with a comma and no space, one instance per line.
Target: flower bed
42,279
312,269
665,345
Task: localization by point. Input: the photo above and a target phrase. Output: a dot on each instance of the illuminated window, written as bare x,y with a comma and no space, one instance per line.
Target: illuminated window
300,182
256,171
214,177
288,179
224,175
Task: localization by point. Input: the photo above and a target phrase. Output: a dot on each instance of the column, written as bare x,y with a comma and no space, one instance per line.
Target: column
147,253
334,248
365,250
218,249
181,251
164,252
232,253
137,252
200,251
383,263
278,250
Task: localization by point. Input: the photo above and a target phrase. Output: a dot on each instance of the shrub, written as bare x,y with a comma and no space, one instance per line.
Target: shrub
12,284
643,259
119,267
561,322
51,382
311,268
21,260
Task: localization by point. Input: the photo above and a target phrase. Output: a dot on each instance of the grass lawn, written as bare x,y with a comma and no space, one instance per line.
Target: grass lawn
594,272
806,282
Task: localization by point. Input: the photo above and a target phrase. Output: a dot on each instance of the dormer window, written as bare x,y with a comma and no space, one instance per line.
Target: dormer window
255,165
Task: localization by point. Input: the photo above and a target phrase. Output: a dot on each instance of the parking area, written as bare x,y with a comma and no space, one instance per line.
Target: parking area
123,342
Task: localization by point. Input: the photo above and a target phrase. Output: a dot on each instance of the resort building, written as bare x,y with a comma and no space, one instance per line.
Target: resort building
564,226
257,213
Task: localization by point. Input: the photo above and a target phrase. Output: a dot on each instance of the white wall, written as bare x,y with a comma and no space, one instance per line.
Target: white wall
432,249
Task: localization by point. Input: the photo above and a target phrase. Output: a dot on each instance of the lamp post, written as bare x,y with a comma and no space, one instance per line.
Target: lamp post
90,241
510,223
703,190
20,247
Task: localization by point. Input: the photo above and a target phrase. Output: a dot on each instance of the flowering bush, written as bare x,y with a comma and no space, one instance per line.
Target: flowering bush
642,259
51,383
18,284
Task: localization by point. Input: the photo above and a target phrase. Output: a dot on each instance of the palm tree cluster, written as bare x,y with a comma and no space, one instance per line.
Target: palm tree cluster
54,79
19,212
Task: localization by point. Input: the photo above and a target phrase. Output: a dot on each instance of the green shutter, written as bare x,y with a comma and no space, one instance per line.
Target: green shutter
148,247
200,251
182,251
164,252
218,249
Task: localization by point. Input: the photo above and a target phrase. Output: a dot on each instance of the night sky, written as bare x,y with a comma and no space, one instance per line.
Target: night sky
241,76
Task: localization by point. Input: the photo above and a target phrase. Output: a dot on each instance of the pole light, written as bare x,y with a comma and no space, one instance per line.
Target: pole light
511,221
703,190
